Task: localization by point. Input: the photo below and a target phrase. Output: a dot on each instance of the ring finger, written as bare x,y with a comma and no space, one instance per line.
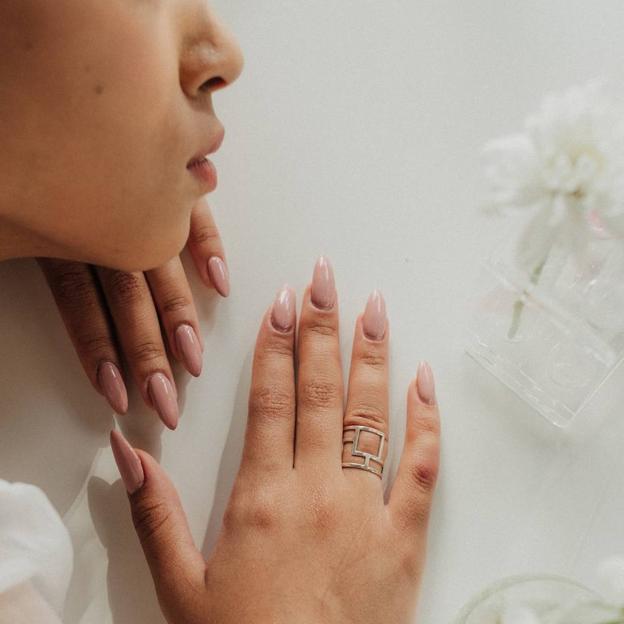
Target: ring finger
367,400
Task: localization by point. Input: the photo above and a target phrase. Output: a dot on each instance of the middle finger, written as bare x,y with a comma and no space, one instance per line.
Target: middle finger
319,384
138,329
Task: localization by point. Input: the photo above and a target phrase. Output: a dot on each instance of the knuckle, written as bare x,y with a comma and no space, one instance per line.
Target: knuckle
175,303
149,517
276,348
126,287
270,402
373,358
146,351
428,423
321,327
205,233
320,394
423,475
366,414
256,508
91,345
72,287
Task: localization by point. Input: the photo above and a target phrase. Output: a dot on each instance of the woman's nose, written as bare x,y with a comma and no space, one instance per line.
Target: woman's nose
211,59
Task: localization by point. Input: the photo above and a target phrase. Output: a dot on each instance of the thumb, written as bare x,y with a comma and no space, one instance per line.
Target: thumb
176,565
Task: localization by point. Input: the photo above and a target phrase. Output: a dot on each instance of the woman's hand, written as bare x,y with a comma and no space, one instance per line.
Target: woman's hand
109,312
304,539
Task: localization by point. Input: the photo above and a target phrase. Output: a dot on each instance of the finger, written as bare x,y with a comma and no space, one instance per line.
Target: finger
206,249
410,498
367,399
132,308
271,423
318,438
176,565
76,293
174,301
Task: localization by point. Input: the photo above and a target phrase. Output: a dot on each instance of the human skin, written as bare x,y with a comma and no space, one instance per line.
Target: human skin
304,540
102,106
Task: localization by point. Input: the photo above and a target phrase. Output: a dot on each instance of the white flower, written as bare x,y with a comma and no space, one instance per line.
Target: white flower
567,168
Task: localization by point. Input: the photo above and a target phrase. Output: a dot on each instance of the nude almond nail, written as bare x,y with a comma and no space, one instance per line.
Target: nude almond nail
189,348
128,462
164,399
425,384
112,385
283,311
374,319
219,275
323,291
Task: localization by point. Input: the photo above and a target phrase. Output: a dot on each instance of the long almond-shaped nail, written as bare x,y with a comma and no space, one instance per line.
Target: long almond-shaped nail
112,385
425,384
323,292
374,319
164,399
189,348
127,461
219,275
283,311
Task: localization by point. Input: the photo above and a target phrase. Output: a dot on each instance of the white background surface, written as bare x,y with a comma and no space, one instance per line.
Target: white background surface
354,132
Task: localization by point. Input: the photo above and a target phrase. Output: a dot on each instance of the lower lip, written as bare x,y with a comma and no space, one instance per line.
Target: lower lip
206,173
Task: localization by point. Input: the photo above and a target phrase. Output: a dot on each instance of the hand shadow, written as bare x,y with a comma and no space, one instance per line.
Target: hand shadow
230,458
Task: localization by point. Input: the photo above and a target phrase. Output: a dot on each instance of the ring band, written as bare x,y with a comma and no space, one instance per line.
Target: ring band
368,457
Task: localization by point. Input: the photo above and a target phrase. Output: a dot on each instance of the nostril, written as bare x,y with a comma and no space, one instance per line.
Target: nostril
212,84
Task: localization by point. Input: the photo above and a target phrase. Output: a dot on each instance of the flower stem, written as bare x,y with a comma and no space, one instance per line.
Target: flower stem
519,305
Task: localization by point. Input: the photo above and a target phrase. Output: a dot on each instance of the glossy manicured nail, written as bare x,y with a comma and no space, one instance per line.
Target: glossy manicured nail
425,384
283,312
374,319
164,399
127,461
323,293
219,275
189,348
112,385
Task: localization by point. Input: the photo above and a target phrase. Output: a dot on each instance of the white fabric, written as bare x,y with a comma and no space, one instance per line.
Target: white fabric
34,544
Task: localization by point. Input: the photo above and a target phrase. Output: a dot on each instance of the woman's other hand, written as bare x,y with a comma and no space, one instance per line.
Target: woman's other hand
110,313
304,539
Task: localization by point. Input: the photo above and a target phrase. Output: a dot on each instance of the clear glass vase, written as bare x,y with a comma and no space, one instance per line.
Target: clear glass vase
555,332
539,600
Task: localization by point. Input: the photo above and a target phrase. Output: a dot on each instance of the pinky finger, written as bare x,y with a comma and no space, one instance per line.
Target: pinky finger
412,492
204,243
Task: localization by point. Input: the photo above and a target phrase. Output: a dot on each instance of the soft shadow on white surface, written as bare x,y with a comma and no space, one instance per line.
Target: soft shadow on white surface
53,421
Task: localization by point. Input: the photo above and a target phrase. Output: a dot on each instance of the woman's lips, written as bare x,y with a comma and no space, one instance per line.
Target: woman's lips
206,174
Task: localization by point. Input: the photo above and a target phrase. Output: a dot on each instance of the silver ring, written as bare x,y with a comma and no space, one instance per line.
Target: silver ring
357,452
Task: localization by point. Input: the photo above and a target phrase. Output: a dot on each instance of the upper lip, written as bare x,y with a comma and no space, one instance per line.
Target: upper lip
209,148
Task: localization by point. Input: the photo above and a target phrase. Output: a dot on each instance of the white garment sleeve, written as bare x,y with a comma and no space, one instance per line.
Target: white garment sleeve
35,546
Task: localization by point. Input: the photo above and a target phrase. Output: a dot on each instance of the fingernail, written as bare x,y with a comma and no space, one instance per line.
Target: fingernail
164,399
374,320
112,384
323,285
127,461
283,312
189,348
425,384
219,275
